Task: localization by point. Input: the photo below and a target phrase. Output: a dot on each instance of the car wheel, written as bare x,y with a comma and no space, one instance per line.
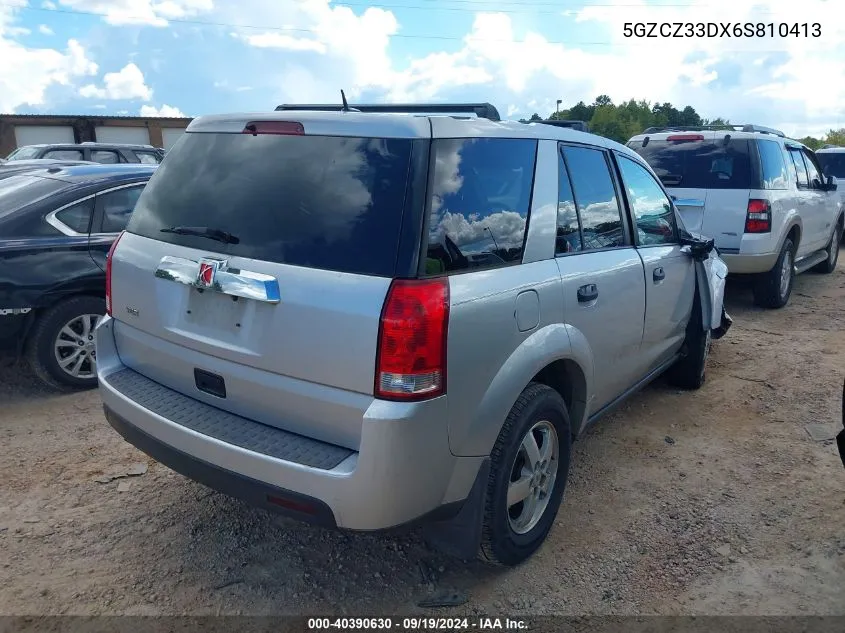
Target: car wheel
60,348
774,288
690,371
829,264
529,468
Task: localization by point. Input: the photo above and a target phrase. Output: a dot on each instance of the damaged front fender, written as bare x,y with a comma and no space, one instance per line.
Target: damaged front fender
711,274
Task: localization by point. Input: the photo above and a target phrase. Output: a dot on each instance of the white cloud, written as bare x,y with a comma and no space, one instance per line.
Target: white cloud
127,83
27,73
163,111
140,12
48,5
45,30
774,81
283,42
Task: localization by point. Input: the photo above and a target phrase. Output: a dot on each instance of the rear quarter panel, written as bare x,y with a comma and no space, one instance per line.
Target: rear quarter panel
490,360
37,272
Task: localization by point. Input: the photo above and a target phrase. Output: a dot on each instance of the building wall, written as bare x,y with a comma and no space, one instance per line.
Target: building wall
83,126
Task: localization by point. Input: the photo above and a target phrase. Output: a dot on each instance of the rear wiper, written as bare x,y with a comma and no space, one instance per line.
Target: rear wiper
203,231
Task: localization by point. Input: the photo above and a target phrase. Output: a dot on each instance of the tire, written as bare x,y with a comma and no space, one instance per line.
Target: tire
512,534
61,333
829,264
689,372
773,289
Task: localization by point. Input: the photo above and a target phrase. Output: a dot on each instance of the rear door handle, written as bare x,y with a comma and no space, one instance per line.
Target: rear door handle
659,274
587,293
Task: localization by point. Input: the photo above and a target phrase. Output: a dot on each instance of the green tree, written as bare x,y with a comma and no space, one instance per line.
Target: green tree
629,118
811,142
835,137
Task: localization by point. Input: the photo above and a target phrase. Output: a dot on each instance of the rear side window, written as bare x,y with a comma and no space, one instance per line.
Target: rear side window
800,167
106,157
701,164
147,158
78,216
832,163
595,198
333,203
774,169
64,154
481,191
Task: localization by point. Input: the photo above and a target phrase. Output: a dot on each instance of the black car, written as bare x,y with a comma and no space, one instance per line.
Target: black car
56,227
16,166
106,153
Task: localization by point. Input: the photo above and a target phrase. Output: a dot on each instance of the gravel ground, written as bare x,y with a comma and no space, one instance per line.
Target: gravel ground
714,502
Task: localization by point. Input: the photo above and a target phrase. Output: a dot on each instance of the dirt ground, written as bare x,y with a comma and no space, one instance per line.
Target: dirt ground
712,502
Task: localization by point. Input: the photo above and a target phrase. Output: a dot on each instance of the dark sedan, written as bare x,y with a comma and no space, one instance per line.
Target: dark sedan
56,227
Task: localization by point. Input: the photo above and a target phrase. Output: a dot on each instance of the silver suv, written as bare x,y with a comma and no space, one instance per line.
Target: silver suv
368,320
760,195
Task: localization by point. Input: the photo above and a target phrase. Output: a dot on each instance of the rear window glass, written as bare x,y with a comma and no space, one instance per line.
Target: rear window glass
774,167
481,191
833,163
701,164
321,202
18,191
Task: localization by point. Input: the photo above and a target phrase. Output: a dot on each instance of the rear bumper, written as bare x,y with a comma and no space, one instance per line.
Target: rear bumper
403,473
748,264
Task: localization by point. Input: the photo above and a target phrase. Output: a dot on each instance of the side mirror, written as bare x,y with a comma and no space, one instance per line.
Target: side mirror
699,248
831,184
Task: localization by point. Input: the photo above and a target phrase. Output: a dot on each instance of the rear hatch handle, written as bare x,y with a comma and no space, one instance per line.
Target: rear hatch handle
689,202
214,274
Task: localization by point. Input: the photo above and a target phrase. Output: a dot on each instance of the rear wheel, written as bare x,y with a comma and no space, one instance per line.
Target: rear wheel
529,468
773,289
829,264
61,348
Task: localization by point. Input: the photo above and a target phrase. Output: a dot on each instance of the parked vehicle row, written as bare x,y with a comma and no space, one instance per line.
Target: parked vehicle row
104,153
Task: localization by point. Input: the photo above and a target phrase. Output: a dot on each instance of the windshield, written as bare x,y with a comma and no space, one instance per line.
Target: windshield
701,164
833,163
23,153
333,203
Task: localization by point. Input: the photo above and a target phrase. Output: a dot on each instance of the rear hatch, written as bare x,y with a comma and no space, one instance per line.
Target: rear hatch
304,233
711,176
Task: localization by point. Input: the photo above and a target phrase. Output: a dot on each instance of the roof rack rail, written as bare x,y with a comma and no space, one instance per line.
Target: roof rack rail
745,127
581,126
830,146
481,110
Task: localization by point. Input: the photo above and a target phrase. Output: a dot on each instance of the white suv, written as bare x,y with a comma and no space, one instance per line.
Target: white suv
760,195
832,160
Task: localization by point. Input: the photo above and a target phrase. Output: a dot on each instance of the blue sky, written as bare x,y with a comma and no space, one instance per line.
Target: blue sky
193,57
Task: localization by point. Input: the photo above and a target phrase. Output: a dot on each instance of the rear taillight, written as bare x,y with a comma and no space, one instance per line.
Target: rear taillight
759,217
108,273
411,356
